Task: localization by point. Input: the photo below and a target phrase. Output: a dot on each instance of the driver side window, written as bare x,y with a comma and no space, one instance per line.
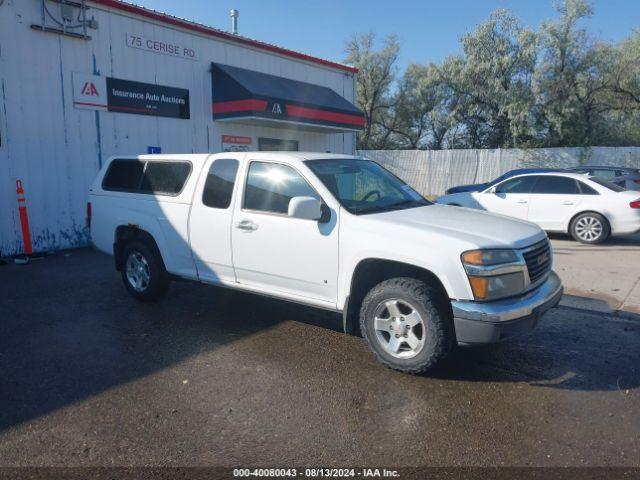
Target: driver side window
271,186
517,185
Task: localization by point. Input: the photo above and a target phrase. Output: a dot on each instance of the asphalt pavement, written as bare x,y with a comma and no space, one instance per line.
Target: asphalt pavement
211,377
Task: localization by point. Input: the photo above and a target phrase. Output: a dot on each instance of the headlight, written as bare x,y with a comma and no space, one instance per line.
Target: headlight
498,286
494,274
489,257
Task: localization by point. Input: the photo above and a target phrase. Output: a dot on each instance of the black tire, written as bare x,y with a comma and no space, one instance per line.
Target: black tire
158,278
581,235
438,334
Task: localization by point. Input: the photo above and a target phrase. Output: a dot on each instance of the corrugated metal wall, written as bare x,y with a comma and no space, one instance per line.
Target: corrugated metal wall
431,172
57,149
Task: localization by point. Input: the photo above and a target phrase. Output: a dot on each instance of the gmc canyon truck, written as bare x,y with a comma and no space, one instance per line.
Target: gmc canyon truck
330,231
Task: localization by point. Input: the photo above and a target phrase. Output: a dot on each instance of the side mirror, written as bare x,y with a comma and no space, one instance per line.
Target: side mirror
307,208
493,190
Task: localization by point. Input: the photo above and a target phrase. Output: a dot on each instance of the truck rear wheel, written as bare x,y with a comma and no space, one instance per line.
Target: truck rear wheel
143,272
406,325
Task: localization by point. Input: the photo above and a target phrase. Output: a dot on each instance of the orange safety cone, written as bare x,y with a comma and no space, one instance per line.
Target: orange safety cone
24,218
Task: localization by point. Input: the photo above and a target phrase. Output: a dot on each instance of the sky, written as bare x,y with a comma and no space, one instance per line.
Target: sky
429,30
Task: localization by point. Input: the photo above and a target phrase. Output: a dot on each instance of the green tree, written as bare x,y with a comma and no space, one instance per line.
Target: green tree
570,84
420,118
510,87
377,73
490,83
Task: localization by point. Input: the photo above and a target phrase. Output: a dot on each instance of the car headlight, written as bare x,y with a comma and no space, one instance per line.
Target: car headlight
494,274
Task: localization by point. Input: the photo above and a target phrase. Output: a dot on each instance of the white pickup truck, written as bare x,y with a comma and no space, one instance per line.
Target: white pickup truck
331,231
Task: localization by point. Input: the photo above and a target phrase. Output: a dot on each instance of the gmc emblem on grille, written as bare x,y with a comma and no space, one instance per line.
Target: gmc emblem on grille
542,259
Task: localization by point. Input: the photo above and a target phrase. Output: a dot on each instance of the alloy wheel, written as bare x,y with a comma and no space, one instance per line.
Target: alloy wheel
399,328
137,270
589,229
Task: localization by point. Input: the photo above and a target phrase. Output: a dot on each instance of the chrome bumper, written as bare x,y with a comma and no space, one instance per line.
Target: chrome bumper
477,322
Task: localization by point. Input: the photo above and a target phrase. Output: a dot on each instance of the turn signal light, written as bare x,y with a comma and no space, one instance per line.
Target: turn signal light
473,257
480,287
635,204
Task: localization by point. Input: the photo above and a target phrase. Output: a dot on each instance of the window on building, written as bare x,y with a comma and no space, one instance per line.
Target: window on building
271,186
556,185
517,185
218,187
150,177
277,145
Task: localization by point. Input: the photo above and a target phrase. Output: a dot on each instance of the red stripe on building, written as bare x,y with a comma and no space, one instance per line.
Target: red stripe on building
315,114
195,27
90,104
239,106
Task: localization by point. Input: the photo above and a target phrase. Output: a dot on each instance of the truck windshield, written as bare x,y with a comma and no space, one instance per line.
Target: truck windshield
363,186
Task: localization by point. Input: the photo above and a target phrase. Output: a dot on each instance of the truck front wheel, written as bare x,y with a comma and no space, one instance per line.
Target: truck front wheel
407,325
143,272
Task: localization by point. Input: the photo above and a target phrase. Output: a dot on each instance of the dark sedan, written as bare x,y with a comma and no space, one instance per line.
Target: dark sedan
625,177
477,187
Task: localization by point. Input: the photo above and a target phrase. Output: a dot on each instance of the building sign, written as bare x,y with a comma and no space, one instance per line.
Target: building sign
147,99
89,91
157,46
117,95
235,143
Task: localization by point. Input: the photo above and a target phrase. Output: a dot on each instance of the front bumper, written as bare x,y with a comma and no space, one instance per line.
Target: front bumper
478,322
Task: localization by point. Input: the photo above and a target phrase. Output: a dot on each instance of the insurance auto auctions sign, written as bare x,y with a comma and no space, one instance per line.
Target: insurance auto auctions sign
125,96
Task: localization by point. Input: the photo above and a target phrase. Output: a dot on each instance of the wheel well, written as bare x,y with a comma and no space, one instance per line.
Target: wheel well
372,271
125,234
587,211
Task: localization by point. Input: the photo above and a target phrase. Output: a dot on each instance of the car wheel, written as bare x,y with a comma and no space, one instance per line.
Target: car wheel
590,228
143,272
407,325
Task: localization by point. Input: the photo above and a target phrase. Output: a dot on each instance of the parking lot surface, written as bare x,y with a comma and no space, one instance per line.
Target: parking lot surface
210,377
604,277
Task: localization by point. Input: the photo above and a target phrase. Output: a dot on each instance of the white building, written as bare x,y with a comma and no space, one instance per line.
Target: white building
84,80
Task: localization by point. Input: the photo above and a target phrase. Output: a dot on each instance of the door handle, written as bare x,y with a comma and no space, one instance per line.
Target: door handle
247,225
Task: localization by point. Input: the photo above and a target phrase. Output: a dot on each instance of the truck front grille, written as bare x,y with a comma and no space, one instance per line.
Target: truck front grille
539,260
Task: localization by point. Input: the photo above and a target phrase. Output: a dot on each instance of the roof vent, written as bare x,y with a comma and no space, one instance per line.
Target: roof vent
234,21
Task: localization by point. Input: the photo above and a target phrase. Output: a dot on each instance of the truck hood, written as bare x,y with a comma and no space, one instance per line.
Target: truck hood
483,229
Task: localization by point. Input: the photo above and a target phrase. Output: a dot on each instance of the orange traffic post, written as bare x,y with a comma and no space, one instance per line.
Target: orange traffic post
24,218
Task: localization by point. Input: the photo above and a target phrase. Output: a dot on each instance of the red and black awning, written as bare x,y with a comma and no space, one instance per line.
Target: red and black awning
240,94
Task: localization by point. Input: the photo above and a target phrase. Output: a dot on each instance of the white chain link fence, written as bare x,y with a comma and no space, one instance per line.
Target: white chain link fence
431,172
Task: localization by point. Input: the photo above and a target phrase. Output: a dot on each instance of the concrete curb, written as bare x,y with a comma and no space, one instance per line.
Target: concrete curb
587,306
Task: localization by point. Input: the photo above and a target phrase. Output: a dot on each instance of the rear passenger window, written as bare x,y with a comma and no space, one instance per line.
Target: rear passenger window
150,177
586,189
166,178
219,185
123,175
556,185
